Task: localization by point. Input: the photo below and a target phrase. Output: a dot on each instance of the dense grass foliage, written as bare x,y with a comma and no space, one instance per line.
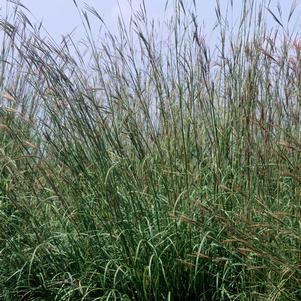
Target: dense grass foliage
149,166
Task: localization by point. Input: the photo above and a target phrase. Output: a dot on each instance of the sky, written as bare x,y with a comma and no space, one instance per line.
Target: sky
60,17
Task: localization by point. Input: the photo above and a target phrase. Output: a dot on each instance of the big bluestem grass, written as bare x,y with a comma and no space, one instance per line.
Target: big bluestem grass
143,167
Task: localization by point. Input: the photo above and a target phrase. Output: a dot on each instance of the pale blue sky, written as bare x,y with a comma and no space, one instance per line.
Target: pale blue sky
61,17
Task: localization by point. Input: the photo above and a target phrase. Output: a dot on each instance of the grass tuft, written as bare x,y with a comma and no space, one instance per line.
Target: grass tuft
148,166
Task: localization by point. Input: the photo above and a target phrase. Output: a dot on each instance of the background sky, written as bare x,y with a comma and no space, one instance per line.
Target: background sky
60,17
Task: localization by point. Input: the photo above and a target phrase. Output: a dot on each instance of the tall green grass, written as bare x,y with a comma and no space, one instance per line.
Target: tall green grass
142,167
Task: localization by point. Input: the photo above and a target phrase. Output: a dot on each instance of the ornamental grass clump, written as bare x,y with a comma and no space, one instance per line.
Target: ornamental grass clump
151,165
